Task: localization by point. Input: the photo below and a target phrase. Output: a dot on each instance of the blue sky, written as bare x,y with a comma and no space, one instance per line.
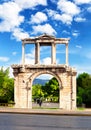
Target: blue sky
61,18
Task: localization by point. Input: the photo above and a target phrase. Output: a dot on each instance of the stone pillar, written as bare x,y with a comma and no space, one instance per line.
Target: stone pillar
67,54
28,96
23,53
53,53
74,91
37,53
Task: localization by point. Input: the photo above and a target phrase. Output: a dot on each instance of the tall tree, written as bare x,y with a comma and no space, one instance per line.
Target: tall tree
84,89
51,89
6,86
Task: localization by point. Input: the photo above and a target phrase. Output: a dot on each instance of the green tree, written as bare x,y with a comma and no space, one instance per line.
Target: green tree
6,86
84,89
37,91
51,89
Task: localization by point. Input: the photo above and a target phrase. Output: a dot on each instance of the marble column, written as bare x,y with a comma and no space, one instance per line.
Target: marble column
53,53
37,53
23,53
67,54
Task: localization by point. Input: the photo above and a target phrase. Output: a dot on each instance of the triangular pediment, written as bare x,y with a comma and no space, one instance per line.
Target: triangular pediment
46,36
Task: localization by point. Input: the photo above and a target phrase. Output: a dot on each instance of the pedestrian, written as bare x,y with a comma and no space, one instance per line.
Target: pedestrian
40,102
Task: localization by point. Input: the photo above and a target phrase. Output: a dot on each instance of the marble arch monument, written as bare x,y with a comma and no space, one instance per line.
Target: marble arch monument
24,74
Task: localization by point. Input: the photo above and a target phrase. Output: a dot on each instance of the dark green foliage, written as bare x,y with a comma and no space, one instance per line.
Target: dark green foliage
6,86
84,89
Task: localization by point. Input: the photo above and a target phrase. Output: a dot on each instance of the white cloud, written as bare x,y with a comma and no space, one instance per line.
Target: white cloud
19,34
45,76
51,12
82,1
24,4
10,70
4,59
68,7
14,53
47,28
81,69
38,18
46,61
30,57
79,19
75,33
78,46
89,9
66,32
65,18
9,14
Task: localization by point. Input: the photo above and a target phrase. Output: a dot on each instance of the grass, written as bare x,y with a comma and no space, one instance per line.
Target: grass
81,108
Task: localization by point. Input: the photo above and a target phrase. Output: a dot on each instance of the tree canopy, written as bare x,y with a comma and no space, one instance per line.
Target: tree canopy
84,89
6,86
48,91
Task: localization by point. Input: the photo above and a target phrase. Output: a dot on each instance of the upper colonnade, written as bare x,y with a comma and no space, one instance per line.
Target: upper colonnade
45,40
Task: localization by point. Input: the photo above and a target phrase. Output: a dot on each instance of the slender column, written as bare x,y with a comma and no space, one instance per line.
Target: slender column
67,54
37,53
23,53
53,54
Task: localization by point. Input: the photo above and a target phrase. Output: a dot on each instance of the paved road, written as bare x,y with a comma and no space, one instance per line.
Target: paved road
43,122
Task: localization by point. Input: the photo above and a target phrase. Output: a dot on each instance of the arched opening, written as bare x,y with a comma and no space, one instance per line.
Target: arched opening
45,90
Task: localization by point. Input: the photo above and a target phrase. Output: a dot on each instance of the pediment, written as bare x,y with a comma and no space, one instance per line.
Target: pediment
46,37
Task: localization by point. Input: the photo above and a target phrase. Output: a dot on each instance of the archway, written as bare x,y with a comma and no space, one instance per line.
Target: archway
34,75
45,92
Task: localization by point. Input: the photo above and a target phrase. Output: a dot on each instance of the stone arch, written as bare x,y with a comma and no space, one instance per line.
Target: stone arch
35,74
25,73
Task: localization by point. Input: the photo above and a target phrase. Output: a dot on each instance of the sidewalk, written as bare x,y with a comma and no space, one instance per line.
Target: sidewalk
86,112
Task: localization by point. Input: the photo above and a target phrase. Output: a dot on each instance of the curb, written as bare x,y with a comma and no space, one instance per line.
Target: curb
45,112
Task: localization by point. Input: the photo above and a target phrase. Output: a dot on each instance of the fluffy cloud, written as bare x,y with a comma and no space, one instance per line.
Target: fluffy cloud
4,59
30,57
10,18
64,18
24,4
82,1
68,11
38,18
19,34
46,61
9,15
47,28
68,7
79,19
